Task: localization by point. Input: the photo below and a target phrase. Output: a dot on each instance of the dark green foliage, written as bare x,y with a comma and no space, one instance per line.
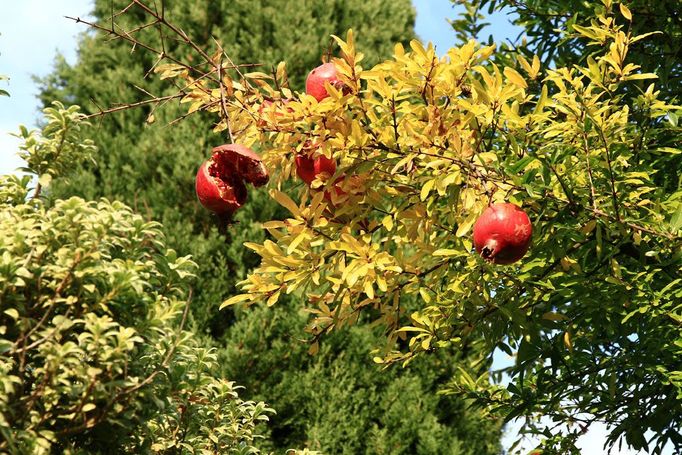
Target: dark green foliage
628,373
152,168
338,401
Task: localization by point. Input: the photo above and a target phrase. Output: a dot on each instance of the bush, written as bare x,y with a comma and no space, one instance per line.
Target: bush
93,352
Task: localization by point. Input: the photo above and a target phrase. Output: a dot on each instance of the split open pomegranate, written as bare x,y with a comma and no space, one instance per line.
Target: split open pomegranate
220,180
502,234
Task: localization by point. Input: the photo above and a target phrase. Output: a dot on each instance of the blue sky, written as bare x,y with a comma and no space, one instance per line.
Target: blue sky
33,31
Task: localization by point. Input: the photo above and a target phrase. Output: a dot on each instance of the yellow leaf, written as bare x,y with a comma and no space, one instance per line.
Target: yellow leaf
299,238
195,106
567,341
418,48
369,289
274,225
585,31
286,202
388,222
515,77
536,67
445,252
524,63
398,50
637,77
381,284
235,299
426,189
465,226
542,101
281,72
589,227
273,299
625,11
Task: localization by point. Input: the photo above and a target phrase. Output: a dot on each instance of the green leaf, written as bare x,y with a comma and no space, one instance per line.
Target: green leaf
521,164
676,220
552,316
670,150
5,346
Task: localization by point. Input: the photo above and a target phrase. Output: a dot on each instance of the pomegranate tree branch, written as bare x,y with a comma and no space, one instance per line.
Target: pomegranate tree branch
124,107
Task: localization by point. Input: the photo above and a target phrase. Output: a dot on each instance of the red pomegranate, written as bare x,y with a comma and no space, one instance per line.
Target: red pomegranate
502,233
220,180
308,168
314,83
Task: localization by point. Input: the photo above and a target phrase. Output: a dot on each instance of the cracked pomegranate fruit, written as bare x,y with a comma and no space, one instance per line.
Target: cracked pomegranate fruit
314,83
502,233
220,180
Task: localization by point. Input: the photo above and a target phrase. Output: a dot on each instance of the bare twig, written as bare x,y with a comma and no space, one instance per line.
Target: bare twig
124,107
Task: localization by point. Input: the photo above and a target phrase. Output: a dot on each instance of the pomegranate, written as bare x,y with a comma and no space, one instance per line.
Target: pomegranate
243,161
502,233
314,83
308,168
220,180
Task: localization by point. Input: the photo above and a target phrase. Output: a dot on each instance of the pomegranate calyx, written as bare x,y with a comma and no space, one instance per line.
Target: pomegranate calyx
490,250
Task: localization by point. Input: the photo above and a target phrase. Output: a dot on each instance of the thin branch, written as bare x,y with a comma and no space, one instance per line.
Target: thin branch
223,105
134,105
